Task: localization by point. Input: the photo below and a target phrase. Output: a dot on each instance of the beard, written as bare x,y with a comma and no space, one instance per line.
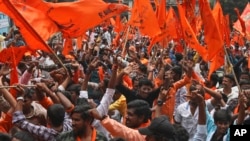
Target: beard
79,131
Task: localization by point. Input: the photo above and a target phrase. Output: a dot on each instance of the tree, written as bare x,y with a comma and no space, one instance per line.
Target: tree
229,5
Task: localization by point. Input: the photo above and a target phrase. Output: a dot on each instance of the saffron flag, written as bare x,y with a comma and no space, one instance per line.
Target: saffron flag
189,6
75,18
227,30
68,46
143,16
211,31
13,55
216,62
242,22
218,16
162,14
168,31
189,35
41,23
34,41
246,17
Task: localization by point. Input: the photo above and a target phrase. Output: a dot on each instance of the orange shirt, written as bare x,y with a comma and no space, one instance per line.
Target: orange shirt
168,107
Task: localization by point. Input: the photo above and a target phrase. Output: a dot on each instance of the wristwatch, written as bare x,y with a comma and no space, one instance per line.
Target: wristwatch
159,102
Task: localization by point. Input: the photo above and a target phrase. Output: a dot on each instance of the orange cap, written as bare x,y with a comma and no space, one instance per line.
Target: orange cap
70,57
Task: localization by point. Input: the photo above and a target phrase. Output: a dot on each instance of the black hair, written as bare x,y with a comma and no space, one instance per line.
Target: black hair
16,32
244,73
145,81
178,57
117,139
222,115
181,132
81,101
214,78
56,114
68,95
24,136
96,95
177,70
28,92
141,108
244,82
75,88
4,137
229,76
143,68
84,111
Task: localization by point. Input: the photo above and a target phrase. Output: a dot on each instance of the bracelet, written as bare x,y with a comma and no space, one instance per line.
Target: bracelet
159,102
20,98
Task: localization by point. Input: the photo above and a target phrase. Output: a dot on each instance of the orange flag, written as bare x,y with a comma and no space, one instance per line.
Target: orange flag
34,41
245,16
68,46
190,13
211,31
242,22
227,30
13,55
216,62
189,35
218,16
168,31
75,18
41,23
118,24
68,15
143,16
162,14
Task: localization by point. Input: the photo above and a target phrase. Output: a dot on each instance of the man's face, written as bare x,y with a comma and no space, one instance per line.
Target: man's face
78,124
168,75
244,77
144,91
133,120
226,82
222,126
27,103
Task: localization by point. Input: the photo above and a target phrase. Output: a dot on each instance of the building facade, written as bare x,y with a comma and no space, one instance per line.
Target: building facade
4,23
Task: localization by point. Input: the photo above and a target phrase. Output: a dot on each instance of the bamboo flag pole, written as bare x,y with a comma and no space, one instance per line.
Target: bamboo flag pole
230,64
3,87
8,3
235,78
126,39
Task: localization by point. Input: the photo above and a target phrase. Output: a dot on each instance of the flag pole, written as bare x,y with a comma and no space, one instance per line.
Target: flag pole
9,4
126,40
230,64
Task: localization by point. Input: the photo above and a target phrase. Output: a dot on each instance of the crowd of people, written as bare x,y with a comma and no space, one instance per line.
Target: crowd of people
103,92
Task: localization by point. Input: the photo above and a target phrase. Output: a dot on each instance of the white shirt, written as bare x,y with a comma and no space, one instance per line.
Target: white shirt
234,93
184,116
102,108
